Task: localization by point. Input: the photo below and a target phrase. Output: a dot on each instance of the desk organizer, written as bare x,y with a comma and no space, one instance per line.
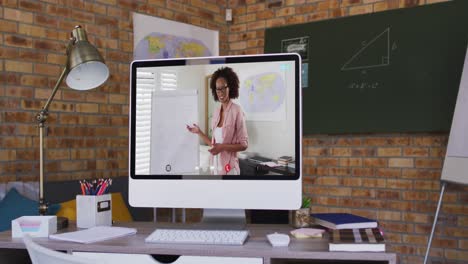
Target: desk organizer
35,226
93,210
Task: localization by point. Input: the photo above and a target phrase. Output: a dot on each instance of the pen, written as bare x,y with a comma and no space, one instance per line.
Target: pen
102,188
108,184
83,191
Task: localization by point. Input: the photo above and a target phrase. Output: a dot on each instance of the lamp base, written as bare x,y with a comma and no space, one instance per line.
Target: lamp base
62,222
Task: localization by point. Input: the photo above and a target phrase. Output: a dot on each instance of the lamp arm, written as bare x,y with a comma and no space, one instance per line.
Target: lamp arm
41,117
54,91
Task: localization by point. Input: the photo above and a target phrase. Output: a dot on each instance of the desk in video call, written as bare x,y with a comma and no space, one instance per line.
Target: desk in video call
249,167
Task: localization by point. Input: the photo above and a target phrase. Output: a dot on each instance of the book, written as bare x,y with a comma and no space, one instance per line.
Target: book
343,221
287,158
94,234
353,240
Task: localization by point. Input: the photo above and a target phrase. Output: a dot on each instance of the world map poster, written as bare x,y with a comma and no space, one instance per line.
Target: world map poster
158,38
263,96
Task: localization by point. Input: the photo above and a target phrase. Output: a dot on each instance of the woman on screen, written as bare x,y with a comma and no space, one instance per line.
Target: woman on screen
228,125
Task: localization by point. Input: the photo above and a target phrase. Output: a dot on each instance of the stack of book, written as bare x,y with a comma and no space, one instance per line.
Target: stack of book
364,239
349,232
284,160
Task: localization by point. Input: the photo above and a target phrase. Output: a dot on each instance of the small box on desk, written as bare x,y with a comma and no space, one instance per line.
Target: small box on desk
93,210
35,226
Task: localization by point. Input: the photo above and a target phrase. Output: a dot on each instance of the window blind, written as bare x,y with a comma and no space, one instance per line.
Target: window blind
146,85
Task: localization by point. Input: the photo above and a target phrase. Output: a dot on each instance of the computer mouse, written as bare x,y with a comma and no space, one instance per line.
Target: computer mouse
278,240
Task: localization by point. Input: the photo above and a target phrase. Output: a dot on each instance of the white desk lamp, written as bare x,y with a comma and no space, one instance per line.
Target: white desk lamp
86,70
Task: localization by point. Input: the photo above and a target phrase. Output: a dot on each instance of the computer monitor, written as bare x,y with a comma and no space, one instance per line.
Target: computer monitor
185,152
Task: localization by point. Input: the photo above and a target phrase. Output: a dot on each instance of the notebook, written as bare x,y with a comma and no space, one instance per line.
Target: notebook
354,240
94,234
343,221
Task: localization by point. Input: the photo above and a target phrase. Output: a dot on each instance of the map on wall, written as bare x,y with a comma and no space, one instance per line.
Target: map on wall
262,97
163,46
157,38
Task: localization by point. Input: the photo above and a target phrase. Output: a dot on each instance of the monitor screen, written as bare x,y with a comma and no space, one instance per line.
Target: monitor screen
204,131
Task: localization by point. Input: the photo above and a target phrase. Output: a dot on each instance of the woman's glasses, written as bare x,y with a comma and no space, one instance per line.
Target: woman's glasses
221,89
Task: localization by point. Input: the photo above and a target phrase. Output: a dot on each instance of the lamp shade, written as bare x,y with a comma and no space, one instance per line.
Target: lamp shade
87,69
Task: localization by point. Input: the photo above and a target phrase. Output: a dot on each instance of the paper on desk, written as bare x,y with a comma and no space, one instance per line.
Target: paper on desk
94,234
307,232
270,164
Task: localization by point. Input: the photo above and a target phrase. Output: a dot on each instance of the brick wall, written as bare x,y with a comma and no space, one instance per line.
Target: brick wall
87,131
391,177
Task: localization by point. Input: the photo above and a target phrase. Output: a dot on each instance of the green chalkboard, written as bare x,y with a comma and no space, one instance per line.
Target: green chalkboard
392,71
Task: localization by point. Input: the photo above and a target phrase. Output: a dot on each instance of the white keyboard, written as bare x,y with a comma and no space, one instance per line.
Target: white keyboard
190,236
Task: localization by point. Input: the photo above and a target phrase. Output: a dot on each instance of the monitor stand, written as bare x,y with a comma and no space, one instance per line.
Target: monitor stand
223,219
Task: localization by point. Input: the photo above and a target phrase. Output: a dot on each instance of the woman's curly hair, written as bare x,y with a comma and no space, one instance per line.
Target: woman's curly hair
232,82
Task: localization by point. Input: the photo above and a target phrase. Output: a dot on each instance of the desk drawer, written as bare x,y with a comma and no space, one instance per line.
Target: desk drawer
116,258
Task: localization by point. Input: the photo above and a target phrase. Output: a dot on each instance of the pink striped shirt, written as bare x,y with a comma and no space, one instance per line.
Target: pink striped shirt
234,132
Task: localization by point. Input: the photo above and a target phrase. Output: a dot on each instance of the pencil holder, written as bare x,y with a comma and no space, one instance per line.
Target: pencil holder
93,210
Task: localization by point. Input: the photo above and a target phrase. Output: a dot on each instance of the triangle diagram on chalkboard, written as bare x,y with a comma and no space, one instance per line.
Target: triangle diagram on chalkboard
375,53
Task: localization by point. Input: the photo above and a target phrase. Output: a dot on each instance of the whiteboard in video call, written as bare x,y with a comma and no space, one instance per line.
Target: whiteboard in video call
456,161
174,150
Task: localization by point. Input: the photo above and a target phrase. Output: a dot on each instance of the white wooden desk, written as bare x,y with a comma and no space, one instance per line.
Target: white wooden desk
310,250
